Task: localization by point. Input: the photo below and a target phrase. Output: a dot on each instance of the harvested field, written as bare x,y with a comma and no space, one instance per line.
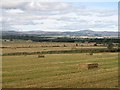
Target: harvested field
60,70
13,47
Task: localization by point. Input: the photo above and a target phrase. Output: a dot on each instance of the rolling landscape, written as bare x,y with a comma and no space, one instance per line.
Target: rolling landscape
46,64
59,45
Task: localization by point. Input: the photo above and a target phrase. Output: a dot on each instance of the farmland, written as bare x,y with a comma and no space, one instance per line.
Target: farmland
50,47
57,70
63,44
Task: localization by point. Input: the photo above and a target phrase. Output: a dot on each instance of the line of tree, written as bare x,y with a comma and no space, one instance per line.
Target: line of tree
62,39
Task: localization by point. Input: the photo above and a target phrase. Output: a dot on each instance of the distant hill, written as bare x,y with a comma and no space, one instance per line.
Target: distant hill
11,33
76,33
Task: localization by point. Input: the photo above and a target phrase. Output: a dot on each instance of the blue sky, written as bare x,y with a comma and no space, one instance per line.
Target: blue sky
90,0
59,16
99,5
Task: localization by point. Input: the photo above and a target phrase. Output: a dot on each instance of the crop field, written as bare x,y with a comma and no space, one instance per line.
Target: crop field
13,47
58,70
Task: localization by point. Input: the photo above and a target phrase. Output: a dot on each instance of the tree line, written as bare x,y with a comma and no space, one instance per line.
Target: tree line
61,39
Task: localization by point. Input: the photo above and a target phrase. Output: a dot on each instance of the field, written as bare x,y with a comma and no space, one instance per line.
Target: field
12,47
58,70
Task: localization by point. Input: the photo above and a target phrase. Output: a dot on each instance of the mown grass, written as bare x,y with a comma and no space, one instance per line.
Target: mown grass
60,70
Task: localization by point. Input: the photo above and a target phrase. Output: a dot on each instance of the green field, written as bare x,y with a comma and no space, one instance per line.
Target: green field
60,70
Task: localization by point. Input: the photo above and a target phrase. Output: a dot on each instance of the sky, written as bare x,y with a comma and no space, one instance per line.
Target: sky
59,16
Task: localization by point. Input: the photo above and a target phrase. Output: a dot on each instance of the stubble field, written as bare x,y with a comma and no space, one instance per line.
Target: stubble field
60,70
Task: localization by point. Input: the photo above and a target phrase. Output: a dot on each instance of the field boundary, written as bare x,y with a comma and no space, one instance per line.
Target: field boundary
62,52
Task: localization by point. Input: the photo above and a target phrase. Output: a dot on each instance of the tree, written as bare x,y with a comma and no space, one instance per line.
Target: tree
76,44
110,46
91,53
95,44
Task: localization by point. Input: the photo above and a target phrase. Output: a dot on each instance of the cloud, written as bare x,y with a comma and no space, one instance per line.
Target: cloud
12,4
7,27
56,16
45,6
37,6
14,11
